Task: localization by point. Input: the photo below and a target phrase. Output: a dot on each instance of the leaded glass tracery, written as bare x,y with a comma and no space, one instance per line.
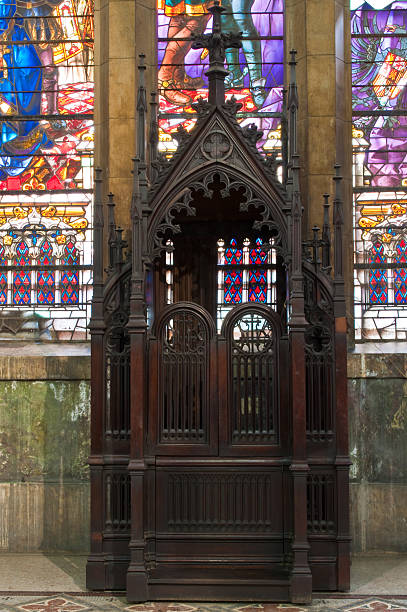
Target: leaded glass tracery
379,73
246,273
46,160
255,71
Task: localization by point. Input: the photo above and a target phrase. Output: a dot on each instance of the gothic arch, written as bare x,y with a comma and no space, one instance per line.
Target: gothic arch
179,198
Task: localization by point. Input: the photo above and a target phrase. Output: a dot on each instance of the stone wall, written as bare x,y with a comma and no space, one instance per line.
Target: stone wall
378,445
44,444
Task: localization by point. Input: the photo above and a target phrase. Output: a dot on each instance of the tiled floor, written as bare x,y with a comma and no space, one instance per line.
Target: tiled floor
92,603
55,583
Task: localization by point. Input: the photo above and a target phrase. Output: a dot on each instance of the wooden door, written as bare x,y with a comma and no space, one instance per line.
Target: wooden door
221,475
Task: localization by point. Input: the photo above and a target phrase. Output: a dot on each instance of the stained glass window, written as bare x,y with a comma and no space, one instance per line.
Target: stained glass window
46,159
379,77
400,274
246,273
255,71
378,276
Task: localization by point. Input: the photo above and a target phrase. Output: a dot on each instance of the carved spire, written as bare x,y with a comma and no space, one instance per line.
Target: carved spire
326,236
136,213
141,111
153,136
98,238
111,231
338,224
338,221
216,43
292,107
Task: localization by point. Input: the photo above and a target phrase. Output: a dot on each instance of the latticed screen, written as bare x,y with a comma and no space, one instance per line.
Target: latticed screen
255,72
46,103
246,273
253,389
379,71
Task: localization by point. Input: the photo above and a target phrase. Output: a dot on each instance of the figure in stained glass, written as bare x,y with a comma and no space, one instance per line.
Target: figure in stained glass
187,18
238,18
379,79
46,157
256,71
20,93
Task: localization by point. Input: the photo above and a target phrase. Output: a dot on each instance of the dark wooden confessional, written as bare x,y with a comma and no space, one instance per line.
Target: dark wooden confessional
219,460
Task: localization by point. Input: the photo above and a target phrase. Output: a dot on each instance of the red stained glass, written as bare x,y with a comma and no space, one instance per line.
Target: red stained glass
378,282
257,255
233,284
233,255
258,286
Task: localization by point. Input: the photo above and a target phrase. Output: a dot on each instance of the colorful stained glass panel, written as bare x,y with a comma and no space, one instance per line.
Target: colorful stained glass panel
46,159
257,286
256,74
70,278
378,277
46,278
379,78
233,284
233,255
400,274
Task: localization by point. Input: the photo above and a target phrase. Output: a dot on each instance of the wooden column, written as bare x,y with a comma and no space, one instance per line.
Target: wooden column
137,588
301,578
342,461
95,569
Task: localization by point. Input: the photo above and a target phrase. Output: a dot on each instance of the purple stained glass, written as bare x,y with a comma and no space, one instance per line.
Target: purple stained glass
3,277
46,278
400,274
22,278
233,285
258,286
256,73
233,255
378,283
379,75
70,278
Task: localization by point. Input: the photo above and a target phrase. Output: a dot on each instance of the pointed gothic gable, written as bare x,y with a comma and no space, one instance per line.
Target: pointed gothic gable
218,145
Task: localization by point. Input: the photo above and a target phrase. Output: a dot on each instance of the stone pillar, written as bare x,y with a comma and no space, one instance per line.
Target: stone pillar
320,32
125,28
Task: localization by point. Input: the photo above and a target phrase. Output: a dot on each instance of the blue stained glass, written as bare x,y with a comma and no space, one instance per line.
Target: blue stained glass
3,277
378,282
233,284
70,278
400,274
258,286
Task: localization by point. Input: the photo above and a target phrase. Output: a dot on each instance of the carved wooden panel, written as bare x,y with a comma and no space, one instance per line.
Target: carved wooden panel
321,503
253,380
319,387
184,363
117,363
219,501
117,501
320,366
